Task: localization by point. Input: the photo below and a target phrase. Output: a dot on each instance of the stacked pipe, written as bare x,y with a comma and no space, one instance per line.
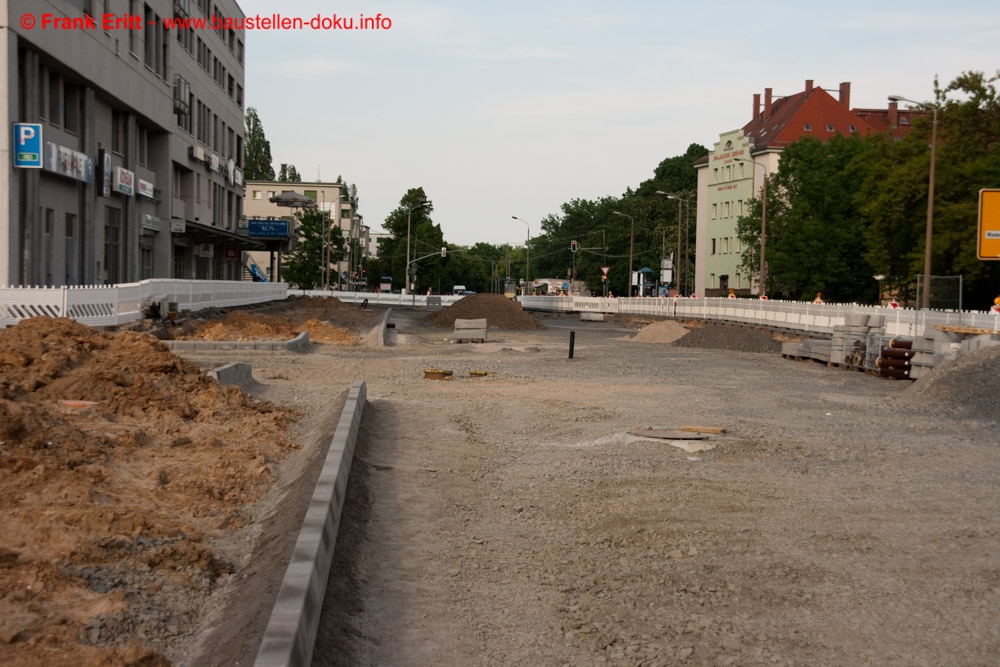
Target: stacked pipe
896,360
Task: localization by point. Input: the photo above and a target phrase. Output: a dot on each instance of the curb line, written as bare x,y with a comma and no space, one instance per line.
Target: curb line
290,636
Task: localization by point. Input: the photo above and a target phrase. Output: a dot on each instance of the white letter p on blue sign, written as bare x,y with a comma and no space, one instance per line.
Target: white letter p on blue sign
28,145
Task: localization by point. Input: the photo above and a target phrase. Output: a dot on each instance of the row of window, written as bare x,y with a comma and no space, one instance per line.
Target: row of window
226,205
725,245
727,209
209,129
730,172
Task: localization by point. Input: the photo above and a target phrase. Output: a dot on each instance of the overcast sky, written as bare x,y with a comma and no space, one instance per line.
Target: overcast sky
512,108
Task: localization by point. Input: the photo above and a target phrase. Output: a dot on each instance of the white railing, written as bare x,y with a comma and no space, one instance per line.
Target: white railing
113,305
118,304
793,315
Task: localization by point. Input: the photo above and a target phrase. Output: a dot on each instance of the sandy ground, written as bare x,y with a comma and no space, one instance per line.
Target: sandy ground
515,518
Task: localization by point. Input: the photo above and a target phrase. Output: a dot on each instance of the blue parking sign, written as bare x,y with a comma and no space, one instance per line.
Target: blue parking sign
28,145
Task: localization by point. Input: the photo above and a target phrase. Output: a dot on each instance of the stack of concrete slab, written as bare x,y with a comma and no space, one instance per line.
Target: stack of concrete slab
850,340
810,348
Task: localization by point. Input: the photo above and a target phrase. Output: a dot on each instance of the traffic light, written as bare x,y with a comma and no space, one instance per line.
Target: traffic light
572,246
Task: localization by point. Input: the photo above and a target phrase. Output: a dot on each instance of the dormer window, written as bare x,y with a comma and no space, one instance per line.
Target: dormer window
829,128
807,127
853,129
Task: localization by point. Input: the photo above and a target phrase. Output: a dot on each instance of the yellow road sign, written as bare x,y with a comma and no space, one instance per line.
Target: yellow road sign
988,247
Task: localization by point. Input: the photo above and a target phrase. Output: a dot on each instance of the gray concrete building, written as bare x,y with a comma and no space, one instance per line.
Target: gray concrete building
124,156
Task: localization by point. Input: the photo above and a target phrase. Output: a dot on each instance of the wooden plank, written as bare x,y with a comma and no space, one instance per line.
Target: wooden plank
703,429
954,328
669,435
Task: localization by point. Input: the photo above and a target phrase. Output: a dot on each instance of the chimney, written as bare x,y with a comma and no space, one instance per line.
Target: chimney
767,103
756,105
809,86
893,115
845,94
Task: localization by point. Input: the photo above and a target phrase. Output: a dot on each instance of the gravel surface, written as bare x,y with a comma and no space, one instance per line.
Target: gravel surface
513,519
524,515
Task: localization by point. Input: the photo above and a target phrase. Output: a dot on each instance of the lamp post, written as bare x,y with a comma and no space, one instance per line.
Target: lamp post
631,246
408,214
680,202
763,220
925,298
527,250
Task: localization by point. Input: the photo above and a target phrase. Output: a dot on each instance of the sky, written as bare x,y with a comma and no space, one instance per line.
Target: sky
501,109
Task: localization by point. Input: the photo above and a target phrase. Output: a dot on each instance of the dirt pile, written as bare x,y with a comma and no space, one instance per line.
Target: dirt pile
968,385
499,312
119,464
664,332
282,320
727,337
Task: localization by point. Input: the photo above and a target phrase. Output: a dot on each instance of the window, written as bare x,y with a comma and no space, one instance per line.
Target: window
239,151
149,35
239,51
725,245
231,88
239,95
853,129
133,35
256,194
183,36
713,246
312,194
142,137
71,120
727,210
55,99
112,240
807,127
182,102
829,128
232,40
716,174
715,210
117,132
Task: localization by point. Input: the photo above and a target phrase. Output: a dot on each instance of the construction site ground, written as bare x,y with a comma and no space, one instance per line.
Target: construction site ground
513,515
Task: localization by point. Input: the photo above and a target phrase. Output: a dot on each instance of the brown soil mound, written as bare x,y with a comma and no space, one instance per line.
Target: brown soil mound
666,331
291,317
119,463
499,311
726,337
968,385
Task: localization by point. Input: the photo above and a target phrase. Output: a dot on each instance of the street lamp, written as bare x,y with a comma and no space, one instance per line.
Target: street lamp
763,220
527,250
408,213
631,246
680,202
925,298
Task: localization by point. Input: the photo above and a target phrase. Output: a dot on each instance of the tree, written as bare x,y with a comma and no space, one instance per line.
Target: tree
815,235
392,252
303,268
289,174
257,151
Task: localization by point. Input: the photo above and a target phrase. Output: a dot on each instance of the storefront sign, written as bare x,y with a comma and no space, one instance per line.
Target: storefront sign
68,162
146,189
206,250
272,229
104,158
178,225
124,182
232,252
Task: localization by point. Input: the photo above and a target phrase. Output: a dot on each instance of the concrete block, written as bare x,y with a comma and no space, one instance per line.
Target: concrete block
591,317
855,320
876,321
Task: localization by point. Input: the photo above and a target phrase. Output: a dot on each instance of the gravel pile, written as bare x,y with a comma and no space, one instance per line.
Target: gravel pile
499,312
967,385
727,337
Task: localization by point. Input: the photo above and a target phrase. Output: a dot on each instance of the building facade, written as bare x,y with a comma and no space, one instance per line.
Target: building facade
345,274
138,128
734,171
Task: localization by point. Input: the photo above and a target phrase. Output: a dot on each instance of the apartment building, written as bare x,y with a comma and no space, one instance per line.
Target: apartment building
126,156
344,274
734,171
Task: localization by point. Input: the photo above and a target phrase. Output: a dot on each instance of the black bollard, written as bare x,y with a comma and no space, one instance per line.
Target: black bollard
364,304
572,338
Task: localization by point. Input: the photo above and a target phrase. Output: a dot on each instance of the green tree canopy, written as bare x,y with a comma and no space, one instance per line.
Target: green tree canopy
288,174
303,268
257,149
